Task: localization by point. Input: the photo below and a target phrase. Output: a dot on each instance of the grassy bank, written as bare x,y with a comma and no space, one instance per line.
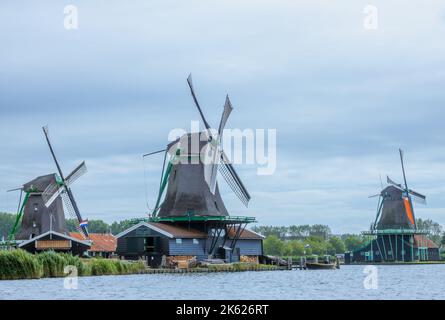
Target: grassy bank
19,264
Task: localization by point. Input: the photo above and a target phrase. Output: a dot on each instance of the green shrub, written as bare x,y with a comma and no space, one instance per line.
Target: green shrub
101,267
19,264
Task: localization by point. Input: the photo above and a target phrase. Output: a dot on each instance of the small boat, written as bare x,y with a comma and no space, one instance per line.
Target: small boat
320,266
327,264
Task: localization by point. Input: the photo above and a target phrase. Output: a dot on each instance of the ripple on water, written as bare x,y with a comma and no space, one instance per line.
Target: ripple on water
394,282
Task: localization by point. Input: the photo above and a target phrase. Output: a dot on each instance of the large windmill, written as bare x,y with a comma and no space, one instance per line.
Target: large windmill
394,236
395,205
42,207
189,192
191,173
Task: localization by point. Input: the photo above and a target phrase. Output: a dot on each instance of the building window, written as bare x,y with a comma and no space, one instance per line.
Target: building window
178,241
195,241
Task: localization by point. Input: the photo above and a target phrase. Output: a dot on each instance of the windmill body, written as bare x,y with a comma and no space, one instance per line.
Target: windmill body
37,218
188,193
396,212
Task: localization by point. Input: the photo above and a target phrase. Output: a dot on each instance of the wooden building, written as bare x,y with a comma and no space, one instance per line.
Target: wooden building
151,241
55,241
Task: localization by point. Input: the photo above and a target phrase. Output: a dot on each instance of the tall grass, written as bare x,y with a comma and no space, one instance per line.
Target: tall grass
19,264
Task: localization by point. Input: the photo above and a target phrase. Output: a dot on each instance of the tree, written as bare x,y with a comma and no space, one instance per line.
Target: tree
118,227
320,230
273,246
7,221
434,229
336,246
353,242
294,248
317,244
94,226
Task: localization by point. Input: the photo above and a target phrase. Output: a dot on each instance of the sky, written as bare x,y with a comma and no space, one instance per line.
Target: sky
342,98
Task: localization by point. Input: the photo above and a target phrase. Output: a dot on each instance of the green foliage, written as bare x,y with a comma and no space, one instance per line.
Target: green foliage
19,264
118,227
94,226
312,245
273,246
294,232
336,246
294,248
53,264
435,231
353,242
7,221
317,245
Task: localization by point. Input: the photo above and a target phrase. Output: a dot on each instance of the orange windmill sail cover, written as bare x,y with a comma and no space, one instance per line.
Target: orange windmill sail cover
409,210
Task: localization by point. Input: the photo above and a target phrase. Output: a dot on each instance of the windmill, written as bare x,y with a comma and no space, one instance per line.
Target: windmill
41,203
62,188
395,207
192,187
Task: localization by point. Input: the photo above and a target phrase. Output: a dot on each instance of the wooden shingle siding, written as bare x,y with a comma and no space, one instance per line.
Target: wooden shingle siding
187,248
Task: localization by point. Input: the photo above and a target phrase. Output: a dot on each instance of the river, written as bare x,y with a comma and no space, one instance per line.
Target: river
351,282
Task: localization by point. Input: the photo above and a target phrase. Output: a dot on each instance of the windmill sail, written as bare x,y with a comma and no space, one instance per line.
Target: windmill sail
55,189
76,174
228,172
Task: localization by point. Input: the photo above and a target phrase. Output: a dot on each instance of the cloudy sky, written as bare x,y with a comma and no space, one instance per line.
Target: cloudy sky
342,98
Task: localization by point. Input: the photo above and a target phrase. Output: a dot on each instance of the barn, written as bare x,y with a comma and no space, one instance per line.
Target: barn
151,241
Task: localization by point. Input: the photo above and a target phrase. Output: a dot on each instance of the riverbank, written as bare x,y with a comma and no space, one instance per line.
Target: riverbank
20,265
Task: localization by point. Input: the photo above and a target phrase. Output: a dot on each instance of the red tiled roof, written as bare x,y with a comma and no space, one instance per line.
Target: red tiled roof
246,234
101,242
423,241
179,232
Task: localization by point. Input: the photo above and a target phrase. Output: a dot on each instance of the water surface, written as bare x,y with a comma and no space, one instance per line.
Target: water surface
394,282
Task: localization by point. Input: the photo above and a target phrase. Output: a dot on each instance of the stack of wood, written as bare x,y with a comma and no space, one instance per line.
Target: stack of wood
250,259
182,262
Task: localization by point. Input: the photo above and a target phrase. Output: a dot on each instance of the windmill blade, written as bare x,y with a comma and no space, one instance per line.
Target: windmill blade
388,179
76,174
51,193
417,197
73,210
16,189
190,82
375,196
213,167
228,172
225,116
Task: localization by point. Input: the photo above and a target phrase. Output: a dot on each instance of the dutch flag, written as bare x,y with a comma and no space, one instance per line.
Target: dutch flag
84,224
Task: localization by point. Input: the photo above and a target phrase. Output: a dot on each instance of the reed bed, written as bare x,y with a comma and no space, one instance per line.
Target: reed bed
19,264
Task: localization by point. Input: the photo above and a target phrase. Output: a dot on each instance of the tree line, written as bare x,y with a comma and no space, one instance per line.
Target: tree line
298,240
295,240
